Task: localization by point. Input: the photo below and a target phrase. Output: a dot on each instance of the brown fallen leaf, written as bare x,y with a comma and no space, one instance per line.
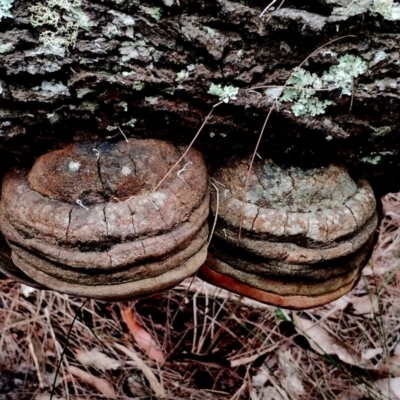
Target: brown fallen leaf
324,342
368,304
142,337
385,389
102,385
96,359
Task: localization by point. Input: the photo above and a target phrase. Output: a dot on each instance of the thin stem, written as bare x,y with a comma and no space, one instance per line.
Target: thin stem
274,105
189,147
53,387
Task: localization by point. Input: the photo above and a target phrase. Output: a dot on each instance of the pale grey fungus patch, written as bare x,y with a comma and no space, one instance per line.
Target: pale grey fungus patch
126,171
74,166
159,198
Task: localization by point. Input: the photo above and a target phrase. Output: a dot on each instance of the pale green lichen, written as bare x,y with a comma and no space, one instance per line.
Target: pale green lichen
131,123
371,160
82,92
123,105
154,12
121,18
224,93
64,16
342,75
302,86
387,8
6,48
381,131
138,50
91,106
212,32
345,9
182,75
138,85
302,94
5,7
53,117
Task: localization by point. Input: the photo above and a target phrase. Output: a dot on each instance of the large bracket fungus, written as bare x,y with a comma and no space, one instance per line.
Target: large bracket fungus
87,221
305,234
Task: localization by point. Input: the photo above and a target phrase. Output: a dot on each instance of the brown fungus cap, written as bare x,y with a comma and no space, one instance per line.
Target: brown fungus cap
97,173
306,233
87,221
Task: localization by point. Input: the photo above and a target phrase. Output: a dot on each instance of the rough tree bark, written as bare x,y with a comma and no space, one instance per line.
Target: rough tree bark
146,67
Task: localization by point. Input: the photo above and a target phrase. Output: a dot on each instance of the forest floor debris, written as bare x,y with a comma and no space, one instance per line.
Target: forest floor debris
201,342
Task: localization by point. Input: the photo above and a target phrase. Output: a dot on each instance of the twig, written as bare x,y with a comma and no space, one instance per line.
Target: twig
36,362
22,322
53,387
348,7
274,105
268,7
190,145
123,134
216,216
352,93
154,204
178,174
79,202
194,301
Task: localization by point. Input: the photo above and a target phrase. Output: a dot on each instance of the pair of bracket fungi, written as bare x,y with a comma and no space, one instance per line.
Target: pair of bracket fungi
87,221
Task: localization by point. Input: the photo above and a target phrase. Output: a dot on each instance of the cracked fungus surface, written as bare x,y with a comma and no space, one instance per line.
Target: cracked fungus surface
306,233
87,221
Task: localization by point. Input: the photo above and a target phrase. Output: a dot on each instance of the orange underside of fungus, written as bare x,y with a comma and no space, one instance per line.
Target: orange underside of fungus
305,234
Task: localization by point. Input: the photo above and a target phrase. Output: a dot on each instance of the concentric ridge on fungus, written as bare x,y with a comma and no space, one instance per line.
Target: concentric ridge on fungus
306,233
86,220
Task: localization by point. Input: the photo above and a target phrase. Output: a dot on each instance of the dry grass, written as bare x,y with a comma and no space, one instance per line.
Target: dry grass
217,345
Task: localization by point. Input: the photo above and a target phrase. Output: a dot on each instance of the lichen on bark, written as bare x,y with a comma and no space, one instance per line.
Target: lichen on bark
126,60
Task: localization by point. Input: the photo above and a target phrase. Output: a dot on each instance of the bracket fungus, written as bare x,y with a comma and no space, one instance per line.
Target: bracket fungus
305,234
87,221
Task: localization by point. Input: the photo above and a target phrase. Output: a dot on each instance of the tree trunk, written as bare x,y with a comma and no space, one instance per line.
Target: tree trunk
79,70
